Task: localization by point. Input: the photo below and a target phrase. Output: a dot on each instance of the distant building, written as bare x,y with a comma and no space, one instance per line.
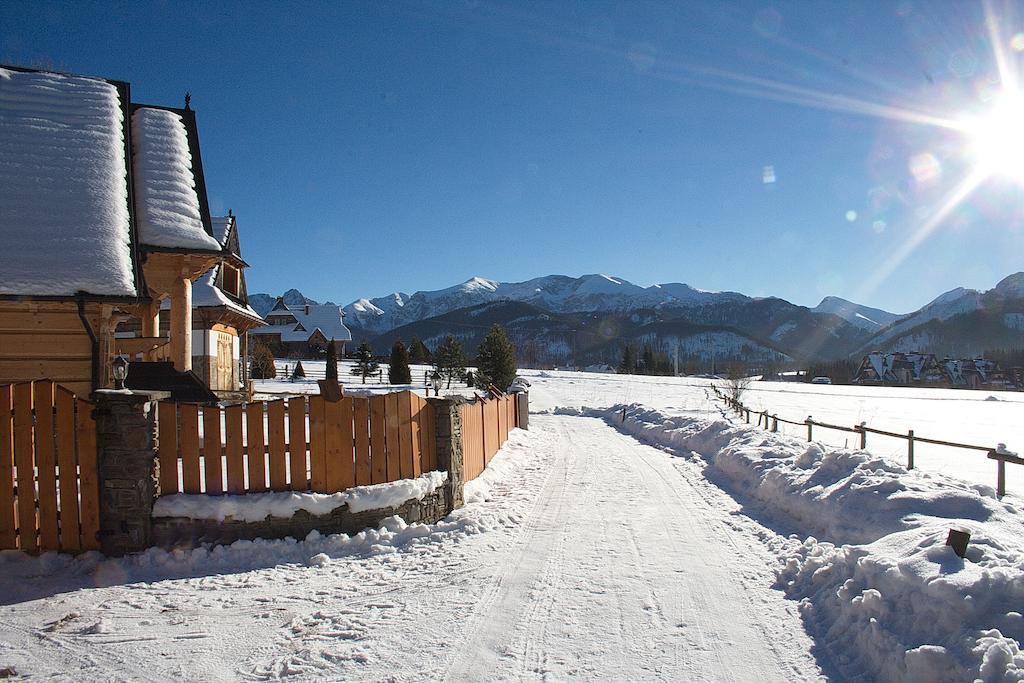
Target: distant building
303,331
924,370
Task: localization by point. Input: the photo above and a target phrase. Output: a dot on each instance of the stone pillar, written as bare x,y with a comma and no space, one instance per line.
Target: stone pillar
448,433
523,409
126,457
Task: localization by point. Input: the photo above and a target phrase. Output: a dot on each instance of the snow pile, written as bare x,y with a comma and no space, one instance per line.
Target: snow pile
255,507
64,224
877,584
168,212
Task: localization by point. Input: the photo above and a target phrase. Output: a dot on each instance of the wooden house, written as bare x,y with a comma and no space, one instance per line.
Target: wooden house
303,331
221,316
103,215
906,369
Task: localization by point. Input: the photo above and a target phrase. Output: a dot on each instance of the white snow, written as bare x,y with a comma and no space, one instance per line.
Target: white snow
719,551
64,225
168,205
255,507
877,583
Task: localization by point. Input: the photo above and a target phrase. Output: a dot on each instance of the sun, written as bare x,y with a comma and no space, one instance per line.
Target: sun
996,139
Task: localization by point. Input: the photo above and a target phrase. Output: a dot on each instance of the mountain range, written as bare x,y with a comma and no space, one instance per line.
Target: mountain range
559,319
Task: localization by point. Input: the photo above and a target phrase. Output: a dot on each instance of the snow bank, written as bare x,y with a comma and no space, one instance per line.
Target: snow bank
877,584
64,224
168,205
255,507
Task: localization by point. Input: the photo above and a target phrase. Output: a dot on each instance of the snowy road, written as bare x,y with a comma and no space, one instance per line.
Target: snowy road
593,556
627,570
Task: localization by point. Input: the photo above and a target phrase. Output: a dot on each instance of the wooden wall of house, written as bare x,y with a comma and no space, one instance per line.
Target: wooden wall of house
47,340
218,366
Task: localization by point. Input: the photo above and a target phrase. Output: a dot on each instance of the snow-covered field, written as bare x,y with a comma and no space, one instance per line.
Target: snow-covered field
972,417
283,385
677,543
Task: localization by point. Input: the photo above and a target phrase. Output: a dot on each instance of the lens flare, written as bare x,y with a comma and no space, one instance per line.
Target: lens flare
997,138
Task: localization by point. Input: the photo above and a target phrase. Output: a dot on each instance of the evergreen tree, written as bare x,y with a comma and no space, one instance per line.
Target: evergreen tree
298,372
419,354
450,360
398,365
628,364
261,362
365,364
496,360
647,365
332,361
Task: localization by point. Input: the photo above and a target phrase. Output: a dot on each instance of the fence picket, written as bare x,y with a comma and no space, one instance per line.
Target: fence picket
502,423
298,479
88,475
406,434
8,519
188,420
361,429
428,443
25,462
416,410
213,462
233,450
46,466
378,449
167,414
318,444
70,534
255,446
334,441
391,438
277,446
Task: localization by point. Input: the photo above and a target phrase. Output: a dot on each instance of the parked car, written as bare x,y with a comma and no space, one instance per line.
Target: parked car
821,380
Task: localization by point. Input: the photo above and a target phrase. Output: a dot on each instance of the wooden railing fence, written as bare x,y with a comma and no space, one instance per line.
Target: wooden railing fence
771,422
486,423
49,496
299,444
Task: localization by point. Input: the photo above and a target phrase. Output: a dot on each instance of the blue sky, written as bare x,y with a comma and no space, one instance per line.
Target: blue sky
373,147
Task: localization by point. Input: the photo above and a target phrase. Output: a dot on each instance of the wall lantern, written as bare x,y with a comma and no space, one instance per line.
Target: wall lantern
120,368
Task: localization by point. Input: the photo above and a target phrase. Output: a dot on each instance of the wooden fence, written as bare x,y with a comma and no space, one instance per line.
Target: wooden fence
299,444
485,427
49,496
771,423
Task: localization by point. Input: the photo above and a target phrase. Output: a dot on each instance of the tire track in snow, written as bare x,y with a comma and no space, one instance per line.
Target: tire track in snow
627,570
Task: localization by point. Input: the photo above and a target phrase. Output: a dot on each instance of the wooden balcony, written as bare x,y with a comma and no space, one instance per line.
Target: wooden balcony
143,348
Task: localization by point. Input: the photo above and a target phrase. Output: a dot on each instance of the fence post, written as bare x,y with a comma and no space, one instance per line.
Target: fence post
126,464
448,435
748,415
775,423
863,435
1000,477
910,449
809,425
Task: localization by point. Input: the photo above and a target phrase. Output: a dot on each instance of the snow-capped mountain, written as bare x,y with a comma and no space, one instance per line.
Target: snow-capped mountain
557,293
865,317
961,321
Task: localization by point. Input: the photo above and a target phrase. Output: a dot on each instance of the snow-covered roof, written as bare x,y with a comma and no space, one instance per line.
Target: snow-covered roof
64,215
308,319
205,292
165,184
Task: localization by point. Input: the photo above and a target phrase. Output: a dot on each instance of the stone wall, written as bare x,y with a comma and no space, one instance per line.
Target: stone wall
129,485
176,532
